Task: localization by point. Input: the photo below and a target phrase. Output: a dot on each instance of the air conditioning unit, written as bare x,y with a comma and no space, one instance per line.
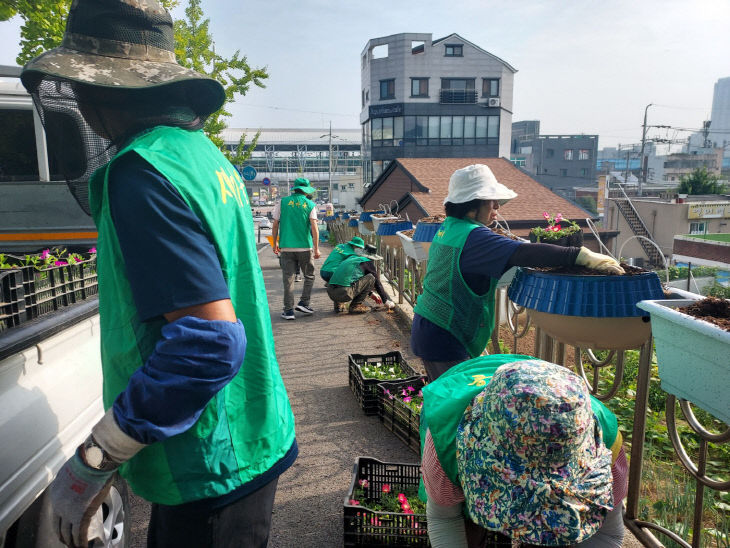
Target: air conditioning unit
494,101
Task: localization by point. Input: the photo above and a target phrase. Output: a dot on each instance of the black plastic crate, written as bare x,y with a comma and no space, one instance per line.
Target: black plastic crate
56,287
12,299
366,390
365,527
397,416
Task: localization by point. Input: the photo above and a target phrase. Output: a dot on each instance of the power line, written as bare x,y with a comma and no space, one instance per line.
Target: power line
299,110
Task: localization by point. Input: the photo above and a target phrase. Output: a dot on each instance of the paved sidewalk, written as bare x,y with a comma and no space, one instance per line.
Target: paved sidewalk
332,430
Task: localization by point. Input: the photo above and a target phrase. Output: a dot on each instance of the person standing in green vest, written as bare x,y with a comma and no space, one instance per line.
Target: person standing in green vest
197,417
354,279
295,226
339,254
454,317
516,446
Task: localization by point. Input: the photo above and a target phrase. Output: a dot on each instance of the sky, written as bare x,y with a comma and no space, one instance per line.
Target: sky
584,66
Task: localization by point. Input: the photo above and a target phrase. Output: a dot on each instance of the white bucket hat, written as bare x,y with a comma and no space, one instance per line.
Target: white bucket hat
477,182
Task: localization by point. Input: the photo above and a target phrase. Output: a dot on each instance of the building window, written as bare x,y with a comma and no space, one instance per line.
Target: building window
387,89
584,154
387,132
363,98
367,95
584,172
568,154
550,153
563,172
419,87
454,50
490,87
697,228
458,91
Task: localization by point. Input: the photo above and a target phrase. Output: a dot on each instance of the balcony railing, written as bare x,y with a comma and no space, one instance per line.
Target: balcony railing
605,375
458,96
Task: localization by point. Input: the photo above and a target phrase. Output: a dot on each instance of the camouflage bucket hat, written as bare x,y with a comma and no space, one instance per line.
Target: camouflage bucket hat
122,44
531,457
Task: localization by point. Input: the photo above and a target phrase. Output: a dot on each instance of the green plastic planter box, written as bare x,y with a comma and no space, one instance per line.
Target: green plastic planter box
693,356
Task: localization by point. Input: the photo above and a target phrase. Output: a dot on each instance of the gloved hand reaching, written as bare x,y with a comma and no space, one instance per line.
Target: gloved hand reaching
85,479
596,261
76,494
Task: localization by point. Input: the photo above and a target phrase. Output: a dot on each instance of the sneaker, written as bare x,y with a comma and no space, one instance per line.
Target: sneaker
298,278
304,308
359,309
339,307
288,314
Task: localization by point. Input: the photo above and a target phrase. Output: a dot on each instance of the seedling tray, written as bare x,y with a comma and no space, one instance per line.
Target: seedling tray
366,390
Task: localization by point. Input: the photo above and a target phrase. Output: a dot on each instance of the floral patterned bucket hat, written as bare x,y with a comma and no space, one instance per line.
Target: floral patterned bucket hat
531,459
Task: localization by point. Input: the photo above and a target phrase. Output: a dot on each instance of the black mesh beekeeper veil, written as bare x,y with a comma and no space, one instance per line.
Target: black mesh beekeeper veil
78,151
66,111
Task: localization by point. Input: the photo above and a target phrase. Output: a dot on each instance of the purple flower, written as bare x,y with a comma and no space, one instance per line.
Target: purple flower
60,263
45,254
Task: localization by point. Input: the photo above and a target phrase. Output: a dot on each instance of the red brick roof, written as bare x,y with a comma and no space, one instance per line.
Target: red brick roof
532,197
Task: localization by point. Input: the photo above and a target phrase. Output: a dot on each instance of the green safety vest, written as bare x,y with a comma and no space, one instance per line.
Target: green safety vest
349,271
447,300
446,399
295,229
248,426
339,254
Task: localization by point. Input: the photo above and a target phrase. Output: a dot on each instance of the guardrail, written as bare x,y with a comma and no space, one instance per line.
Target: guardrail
405,277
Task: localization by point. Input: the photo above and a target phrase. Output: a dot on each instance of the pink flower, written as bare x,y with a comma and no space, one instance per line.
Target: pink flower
354,502
546,215
411,389
403,392
558,217
92,250
407,399
45,254
364,483
60,263
420,394
386,488
402,497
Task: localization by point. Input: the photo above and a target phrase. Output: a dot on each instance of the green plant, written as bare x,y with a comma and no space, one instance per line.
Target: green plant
554,230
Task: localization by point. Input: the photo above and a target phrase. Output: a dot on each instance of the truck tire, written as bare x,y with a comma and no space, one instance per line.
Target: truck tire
34,528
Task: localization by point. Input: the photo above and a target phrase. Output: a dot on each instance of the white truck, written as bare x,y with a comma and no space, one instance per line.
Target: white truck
50,366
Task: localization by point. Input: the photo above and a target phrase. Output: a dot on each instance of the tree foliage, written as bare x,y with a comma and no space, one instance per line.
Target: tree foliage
700,181
195,49
44,22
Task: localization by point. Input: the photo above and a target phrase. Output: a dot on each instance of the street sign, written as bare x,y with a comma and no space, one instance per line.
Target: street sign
266,181
249,173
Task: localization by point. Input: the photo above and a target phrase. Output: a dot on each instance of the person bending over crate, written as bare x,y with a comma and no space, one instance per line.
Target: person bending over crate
517,446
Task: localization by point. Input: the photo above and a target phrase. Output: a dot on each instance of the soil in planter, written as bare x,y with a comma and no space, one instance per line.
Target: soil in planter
432,220
576,270
710,309
502,232
409,233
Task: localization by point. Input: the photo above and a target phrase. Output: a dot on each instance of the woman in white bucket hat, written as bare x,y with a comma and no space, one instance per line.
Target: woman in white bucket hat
454,317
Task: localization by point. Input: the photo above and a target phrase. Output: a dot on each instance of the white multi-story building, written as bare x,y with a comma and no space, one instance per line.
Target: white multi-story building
424,98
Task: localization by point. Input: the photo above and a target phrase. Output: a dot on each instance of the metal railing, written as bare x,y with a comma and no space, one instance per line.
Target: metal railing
458,96
517,322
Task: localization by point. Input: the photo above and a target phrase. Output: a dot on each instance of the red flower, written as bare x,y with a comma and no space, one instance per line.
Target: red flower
386,488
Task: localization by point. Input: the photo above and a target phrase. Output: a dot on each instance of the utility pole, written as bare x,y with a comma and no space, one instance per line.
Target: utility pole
329,163
642,174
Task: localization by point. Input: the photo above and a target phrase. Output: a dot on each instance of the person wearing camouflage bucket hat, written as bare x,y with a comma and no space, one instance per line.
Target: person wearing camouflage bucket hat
185,327
521,446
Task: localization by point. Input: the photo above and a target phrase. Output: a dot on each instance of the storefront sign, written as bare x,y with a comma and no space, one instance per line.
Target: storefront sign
381,111
714,210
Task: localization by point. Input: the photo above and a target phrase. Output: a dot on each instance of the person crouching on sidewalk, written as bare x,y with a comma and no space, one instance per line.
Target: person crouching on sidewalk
354,279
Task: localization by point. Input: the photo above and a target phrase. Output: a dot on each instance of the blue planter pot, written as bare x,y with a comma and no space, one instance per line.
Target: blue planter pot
367,216
353,222
597,312
389,229
425,232
692,356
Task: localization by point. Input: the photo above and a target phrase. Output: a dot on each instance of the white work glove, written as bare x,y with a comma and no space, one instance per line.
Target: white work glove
596,261
79,489
390,305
